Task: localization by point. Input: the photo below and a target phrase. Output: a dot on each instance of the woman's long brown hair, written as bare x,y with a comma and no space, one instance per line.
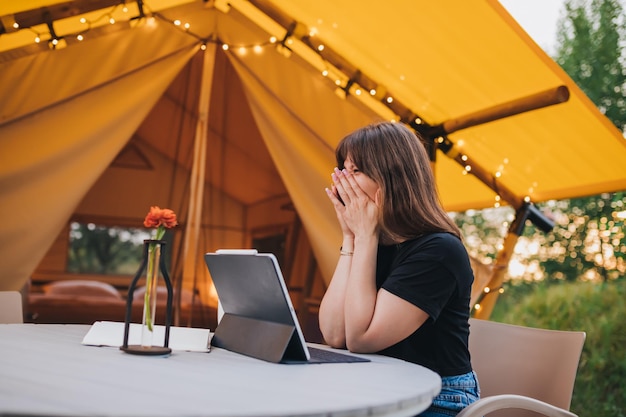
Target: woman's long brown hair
394,157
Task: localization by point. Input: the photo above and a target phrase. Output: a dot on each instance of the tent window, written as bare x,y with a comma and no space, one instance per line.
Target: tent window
109,250
272,244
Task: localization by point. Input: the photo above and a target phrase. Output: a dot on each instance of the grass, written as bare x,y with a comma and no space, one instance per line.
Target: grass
597,309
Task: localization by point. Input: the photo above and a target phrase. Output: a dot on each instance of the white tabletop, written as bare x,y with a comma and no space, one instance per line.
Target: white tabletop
45,370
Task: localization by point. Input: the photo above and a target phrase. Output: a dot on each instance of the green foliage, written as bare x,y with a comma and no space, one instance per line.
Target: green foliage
588,241
597,309
484,230
591,36
104,250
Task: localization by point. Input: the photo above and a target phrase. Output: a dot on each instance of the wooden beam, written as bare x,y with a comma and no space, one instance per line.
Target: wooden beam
45,15
511,108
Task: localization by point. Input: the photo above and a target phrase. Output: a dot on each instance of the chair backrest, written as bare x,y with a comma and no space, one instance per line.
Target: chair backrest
536,363
11,307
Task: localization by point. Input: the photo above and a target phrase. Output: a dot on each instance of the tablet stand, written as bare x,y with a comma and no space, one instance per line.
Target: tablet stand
259,339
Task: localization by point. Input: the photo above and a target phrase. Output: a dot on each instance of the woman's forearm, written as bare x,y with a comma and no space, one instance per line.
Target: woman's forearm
331,312
361,292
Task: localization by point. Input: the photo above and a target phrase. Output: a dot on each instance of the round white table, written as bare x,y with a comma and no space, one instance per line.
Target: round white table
46,371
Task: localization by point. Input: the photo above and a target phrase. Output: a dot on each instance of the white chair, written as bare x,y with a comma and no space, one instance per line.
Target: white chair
11,307
523,371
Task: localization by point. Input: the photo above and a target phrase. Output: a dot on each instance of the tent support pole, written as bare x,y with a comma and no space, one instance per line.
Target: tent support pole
485,304
191,252
487,300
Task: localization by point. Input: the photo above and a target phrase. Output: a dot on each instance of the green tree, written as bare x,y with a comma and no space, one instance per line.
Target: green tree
103,250
484,230
588,241
591,39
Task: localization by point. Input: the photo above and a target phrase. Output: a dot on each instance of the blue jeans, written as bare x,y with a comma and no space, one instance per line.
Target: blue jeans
457,392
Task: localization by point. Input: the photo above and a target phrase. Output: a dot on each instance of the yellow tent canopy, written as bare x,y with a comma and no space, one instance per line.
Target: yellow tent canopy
229,113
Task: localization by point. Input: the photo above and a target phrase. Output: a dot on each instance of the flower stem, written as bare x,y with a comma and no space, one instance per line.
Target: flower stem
151,273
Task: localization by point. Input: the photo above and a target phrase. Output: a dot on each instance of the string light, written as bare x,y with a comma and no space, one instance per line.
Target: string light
378,92
108,16
486,291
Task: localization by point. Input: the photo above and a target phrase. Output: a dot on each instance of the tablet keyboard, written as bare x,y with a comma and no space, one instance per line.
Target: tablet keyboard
328,356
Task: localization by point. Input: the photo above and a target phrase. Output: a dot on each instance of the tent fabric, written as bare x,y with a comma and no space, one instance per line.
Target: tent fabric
274,120
302,145
54,150
452,58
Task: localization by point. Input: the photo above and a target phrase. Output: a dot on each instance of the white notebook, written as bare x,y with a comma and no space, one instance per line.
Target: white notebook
109,333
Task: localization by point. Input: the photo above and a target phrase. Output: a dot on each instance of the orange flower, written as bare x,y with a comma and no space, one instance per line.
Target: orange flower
160,217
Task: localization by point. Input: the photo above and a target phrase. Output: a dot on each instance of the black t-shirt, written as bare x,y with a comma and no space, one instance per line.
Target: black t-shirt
432,272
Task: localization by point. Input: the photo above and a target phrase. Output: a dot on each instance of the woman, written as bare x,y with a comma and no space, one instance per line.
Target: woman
402,284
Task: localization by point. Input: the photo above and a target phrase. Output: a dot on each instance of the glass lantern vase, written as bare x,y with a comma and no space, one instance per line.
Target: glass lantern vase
154,269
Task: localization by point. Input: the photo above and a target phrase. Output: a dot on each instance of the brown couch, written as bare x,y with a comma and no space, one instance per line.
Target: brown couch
85,302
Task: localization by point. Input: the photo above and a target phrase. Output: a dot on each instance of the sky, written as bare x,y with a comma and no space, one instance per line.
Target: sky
538,18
